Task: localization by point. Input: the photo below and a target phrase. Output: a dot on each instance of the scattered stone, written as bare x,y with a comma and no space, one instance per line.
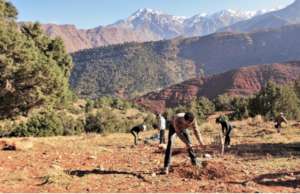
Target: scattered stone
208,156
101,168
267,180
104,149
245,171
92,158
162,146
153,174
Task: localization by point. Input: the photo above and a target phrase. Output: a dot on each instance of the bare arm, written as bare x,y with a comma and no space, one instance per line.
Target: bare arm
285,120
223,129
198,134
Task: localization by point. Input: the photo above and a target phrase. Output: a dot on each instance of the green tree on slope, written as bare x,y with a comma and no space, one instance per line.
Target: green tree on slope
34,69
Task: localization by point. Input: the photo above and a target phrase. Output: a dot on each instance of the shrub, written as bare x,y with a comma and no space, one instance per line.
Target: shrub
89,106
180,109
40,125
287,102
93,123
48,124
108,121
202,107
240,107
297,87
71,125
223,102
273,99
103,102
117,103
74,110
150,120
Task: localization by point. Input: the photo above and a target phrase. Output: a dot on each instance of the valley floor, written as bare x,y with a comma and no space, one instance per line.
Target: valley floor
260,160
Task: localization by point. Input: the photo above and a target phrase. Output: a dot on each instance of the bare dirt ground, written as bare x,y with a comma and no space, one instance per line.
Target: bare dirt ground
260,160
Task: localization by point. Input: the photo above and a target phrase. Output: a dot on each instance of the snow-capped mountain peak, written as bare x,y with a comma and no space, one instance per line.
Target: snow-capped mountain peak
165,26
180,19
233,14
146,11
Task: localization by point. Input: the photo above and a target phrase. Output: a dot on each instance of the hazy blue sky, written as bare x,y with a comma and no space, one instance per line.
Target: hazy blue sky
92,13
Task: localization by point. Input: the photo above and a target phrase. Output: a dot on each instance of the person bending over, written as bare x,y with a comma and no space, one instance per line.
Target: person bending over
136,130
226,129
179,124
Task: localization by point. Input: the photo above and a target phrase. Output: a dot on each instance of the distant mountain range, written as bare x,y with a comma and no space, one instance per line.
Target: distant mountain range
151,25
239,82
134,69
146,25
274,19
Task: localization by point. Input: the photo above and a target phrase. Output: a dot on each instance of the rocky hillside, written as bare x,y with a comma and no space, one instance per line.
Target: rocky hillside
133,69
74,38
129,70
275,19
243,81
225,51
146,25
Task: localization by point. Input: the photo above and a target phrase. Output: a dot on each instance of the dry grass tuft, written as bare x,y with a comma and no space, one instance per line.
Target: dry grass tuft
56,175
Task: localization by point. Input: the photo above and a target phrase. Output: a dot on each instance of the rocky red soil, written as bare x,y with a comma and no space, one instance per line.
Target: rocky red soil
93,163
244,81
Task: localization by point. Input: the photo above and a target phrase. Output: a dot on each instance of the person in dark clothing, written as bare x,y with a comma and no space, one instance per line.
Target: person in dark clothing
135,132
226,129
178,126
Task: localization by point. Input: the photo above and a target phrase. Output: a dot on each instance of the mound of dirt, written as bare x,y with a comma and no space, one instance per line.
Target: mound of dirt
210,170
214,170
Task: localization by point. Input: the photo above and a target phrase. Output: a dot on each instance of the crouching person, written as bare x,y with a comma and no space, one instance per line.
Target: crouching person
178,126
279,120
136,130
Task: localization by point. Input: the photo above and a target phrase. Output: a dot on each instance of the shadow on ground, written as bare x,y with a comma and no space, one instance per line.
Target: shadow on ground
284,179
264,149
82,173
